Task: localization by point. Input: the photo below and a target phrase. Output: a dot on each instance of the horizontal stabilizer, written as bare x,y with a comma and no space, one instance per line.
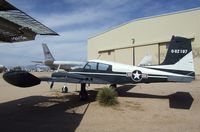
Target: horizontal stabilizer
39,62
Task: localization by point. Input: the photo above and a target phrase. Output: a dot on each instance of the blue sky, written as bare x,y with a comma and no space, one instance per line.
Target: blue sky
76,21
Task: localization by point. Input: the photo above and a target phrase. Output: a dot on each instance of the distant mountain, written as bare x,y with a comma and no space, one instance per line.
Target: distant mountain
34,67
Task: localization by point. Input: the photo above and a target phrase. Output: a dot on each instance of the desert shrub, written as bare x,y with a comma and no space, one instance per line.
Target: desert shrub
107,96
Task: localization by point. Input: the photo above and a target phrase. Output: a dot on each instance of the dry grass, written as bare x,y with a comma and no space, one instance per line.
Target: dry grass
107,97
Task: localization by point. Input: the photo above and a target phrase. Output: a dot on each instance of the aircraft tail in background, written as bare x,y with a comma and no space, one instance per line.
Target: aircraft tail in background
47,54
48,57
56,65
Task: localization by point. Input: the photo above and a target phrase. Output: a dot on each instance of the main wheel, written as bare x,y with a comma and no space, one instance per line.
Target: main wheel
64,89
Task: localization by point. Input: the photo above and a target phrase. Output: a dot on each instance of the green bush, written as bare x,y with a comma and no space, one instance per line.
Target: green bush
107,97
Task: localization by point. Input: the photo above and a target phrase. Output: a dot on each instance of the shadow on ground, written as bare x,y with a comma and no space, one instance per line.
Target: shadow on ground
178,100
59,114
43,114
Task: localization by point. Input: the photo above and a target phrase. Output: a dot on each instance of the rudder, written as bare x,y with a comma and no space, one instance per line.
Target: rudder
178,48
47,54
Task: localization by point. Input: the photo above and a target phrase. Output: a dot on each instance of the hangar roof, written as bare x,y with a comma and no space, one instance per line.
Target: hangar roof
15,25
143,18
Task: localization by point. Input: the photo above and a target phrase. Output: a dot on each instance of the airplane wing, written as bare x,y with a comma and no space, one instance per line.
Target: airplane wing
68,77
25,79
39,62
17,26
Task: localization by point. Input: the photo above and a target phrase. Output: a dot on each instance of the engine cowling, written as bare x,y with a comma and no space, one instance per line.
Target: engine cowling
21,79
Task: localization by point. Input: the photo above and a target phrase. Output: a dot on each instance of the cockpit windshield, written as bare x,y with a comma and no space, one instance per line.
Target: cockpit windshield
103,67
83,65
91,66
97,66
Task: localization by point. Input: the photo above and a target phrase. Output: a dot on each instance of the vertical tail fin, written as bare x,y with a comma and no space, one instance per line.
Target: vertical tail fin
47,54
179,47
179,56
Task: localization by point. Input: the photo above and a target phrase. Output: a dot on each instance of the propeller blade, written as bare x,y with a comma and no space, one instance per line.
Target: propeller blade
51,86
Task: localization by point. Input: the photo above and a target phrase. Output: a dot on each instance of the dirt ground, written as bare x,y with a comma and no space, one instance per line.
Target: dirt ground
144,107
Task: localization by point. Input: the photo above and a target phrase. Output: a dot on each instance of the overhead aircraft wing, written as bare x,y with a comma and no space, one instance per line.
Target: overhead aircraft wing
17,26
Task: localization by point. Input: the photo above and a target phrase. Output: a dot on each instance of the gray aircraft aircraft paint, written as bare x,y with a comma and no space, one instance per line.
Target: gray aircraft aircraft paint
54,64
178,66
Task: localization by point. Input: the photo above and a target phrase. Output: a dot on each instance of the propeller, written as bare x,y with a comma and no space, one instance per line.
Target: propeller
51,86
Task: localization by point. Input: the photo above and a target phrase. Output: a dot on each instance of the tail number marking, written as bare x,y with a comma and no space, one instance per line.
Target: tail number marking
177,51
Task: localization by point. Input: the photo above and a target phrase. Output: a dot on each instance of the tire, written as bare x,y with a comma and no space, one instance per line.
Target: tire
64,89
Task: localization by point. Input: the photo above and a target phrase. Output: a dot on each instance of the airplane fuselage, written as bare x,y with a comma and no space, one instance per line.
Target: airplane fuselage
104,72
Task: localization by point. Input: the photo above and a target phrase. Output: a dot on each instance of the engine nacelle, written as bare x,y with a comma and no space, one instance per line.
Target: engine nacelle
21,78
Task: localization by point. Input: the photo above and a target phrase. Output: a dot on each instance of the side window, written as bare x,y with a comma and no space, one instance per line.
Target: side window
91,66
103,67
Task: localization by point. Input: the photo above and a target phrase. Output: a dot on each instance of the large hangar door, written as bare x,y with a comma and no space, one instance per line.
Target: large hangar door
107,55
142,51
124,56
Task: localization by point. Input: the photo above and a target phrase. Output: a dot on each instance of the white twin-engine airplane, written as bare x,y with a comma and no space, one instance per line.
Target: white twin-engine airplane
178,66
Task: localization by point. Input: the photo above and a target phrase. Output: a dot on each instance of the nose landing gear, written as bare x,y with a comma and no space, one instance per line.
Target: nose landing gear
83,94
64,89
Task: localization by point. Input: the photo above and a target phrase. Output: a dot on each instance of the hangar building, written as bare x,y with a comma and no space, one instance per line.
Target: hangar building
130,42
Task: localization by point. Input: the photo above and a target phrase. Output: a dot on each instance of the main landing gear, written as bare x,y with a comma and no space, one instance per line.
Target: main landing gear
83,95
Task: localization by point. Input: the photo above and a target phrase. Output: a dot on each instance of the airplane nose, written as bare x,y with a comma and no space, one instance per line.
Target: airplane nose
21,79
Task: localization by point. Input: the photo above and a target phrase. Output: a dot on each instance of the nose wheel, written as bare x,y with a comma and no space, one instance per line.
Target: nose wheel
64,89
83,95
